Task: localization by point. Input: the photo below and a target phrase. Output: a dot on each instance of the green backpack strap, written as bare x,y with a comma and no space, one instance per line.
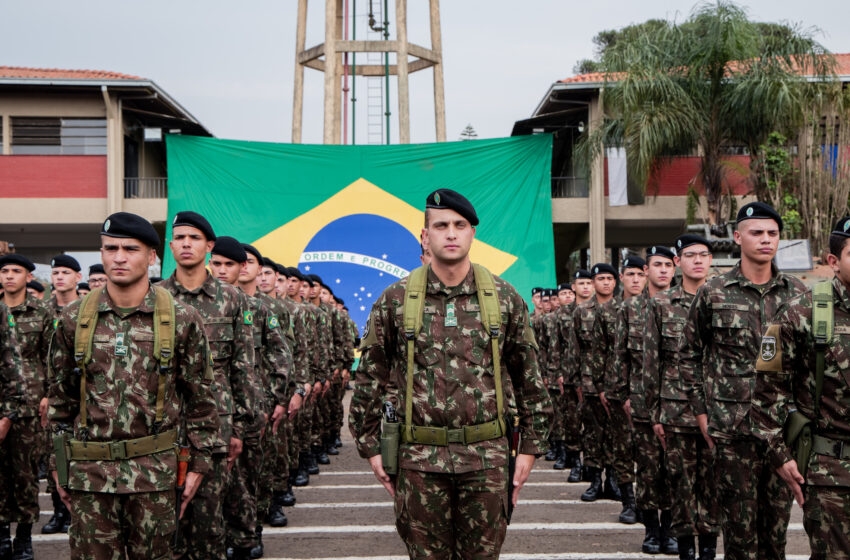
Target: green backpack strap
414,306
83,338
491,317
163,345
822,332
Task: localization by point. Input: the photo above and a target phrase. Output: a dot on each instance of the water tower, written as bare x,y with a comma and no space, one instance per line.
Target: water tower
338,58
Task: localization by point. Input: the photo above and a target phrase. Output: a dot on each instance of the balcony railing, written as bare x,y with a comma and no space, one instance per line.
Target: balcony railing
145,187
570,187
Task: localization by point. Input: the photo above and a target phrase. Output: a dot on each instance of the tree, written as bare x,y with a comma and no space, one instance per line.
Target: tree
603,40
468,133
713,81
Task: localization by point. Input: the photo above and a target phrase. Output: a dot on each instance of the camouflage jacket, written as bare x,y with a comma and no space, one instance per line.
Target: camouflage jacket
592,336
320,342
786,380
301,357
33,327
274,359
550,367
54,306
351,341
540,336
121,393
566,350
626,376
337,328
666,315
229,327
720,344
453,384
11,382
286,312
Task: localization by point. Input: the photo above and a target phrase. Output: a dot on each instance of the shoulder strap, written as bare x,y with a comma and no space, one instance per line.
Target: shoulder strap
163,345
83,338
822,331
491,317
414,305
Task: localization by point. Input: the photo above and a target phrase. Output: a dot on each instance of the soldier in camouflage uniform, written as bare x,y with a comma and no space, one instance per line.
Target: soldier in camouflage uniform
324,326
123,466
307,464
25,445
549,355
228,324
785,381
64,277
569,400
689,462
717,361
553,371
11,406
450,500
333,397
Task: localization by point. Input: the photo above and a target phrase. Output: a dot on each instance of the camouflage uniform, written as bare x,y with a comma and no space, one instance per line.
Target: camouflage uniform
129,504
785,381
317,359
11,391
718,354
302,362
569,400
334,398
689,461
25,444
451,501
229,328
320,409
625,352
550,369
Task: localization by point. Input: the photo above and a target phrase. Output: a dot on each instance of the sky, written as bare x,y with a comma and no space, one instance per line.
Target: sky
231,64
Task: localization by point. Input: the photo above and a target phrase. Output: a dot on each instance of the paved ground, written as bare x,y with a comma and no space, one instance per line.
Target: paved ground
345,514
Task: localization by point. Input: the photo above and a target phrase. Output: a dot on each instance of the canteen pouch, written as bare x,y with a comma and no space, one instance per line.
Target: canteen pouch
390,434
798,437
60,448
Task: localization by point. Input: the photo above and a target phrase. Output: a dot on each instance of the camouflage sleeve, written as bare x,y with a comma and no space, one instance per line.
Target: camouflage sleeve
10,367
65,388
573,374
567,352
371,380
193,385
278,357
617,362
300,356
692,347
244,383
651,361
339,341
312,342
519,355
554,355
44,345
350,341
600,348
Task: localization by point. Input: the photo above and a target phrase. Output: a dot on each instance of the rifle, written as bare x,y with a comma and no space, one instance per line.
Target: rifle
513,445
182,470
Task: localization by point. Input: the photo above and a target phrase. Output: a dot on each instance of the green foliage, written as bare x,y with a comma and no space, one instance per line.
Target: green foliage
692,202
778,177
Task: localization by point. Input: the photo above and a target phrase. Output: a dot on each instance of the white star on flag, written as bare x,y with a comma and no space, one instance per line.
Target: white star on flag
307,267
384,256
362,308
337,280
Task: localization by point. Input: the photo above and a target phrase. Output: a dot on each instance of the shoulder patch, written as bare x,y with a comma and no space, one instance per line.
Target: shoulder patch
248,318
370,338
274,322
770,353
11,320
55,323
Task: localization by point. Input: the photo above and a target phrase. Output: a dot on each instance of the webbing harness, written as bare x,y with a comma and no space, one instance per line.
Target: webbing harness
491,317
822,331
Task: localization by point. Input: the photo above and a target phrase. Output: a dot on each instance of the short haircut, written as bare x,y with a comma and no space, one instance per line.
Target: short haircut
427,221
837,243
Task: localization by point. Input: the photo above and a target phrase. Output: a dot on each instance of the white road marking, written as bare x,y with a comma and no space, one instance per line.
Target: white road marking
545,556
367,486
343,505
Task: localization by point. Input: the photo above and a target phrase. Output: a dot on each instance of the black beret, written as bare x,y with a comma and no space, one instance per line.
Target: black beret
35,285
689,239
83,286
66,261
582,273
229,248
20,260
565,286
603,268
633,261
842,227
268,263
253,250
535,291
447,199
195,220
759,211
155,279
293,271
546,292
315,279
282,270
339,300
96,269
659,251
125,225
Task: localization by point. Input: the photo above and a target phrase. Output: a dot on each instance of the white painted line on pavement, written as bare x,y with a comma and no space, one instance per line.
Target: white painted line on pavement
343,505
544,556
366,486
361,473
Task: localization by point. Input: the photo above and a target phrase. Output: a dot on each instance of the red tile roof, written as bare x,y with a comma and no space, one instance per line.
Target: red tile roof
58,74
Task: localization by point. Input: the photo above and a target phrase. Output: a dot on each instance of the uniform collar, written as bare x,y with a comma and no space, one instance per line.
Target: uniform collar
467,285
735,276
209,287
841,291
105,302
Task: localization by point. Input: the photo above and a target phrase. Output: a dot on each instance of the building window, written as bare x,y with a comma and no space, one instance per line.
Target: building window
58,136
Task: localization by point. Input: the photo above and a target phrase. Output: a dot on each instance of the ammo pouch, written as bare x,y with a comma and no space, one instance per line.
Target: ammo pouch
798,437
60,449
390,432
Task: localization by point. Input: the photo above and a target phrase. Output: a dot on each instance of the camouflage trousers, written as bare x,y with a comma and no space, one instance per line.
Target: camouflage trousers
108,526
321,415
571,418
448,516
557,429
596,433
653,485
305,423
240,502
755,504
202,527
20,453
293,436
622,446
826,517
337,411
275,469
691,466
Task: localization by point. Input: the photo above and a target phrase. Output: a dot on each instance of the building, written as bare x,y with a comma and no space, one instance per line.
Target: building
78,145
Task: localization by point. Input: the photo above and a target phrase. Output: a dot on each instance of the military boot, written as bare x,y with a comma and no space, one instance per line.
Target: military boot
551,453
5,542
337,441
276,517
611,490
22,547
303,476
313,457
707,547
561,459
257,551
241,553
61,517
595,491
628,515
330,448
287,497
668,541
687,548
575,470
651,544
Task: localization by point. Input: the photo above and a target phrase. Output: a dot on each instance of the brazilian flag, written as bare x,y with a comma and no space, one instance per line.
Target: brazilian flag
354,214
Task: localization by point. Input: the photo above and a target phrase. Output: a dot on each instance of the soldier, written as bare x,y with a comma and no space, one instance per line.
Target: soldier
64,276
688,460
318,455
571,454
798,348
228,324
583,286
118,399
11,406
35,289
626,365
336,391
450,491
83,289
25,446
97,277
541,334
717,361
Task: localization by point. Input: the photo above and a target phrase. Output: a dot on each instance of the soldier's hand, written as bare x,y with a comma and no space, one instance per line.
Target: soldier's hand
277,416
5,426
43,407
627,407
308,388
346,376
193,482
295,405
63,494
234,452
792,477
604,402
336,374
702,420
382,476
561,384
317,391
326,387
659,433
579,394
524,463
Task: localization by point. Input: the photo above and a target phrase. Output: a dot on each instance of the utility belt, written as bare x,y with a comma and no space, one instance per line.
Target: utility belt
123,449
467,435
836,448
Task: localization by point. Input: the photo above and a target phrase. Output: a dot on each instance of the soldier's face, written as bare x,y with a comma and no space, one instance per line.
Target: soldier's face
315,290
546,304
304,290
535,299
448,235
841,264
325,295
268,279
225,269
554,302
566,297
584,288
189,246
280,284
14,278
660,271
82,292
126,261
604,284
695,262
64,279
293,287
35,293
634,280
250,271
759,240
97,280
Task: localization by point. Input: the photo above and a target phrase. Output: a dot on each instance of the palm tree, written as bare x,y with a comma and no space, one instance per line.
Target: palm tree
715,80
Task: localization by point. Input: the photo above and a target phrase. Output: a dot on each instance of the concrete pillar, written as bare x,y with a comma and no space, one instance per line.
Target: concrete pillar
596,197
401,69
6,125
331,76
298,97
439,87
338,35
114,153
